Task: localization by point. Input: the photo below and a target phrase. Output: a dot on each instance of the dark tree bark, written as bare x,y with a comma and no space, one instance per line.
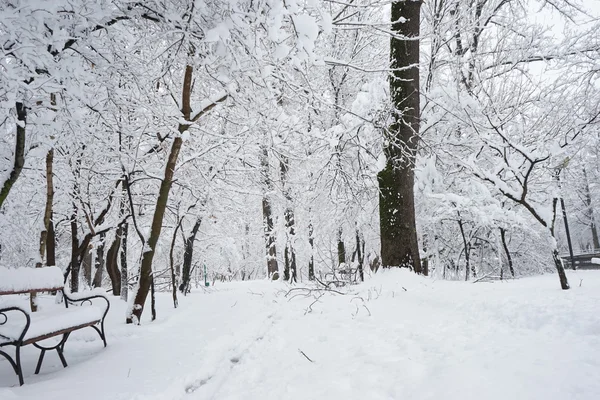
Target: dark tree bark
399,246
145,276
172,264
507,252
187,258
341,248
562,276
75,262
112,263
153,298
124,267
360,253
19,161
271,250
80,249
51,245
311,262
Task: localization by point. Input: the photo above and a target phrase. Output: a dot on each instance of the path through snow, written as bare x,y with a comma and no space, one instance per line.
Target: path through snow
524,339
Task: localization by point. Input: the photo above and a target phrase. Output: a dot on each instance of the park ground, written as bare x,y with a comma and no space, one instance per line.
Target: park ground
396,336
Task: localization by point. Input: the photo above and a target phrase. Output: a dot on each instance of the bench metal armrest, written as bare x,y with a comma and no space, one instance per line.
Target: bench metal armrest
74,299
4,320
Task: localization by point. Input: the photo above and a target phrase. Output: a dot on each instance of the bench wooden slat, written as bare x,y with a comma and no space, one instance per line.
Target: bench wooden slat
57,333
51,289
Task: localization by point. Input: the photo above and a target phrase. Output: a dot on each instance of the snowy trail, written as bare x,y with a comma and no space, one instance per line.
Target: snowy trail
161,360
523,339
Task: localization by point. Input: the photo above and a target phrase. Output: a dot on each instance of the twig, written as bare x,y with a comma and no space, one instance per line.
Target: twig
301,352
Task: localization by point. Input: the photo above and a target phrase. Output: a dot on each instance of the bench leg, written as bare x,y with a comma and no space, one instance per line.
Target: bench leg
61,347
39,363
59,350
15,363
18,363
101,332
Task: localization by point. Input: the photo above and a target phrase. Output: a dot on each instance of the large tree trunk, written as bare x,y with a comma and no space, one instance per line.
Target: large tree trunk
399,246
19,153
271,250
187,258
145,277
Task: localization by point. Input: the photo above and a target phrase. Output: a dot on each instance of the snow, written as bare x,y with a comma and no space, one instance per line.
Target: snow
395,336
54,319
26,279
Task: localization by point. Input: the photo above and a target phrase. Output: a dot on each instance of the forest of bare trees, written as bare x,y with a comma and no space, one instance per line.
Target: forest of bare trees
144,143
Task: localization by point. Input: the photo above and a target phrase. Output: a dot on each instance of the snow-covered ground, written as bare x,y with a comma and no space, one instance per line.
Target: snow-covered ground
397,336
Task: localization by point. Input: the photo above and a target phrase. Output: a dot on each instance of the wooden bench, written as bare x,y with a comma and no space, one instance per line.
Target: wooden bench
20,327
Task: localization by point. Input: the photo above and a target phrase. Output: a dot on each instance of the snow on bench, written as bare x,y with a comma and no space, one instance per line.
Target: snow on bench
47,322
19,327
26,280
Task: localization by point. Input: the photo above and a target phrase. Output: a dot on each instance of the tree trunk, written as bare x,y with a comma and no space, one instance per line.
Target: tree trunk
187,258
124,270
153,298
145,278
74,252
341,248
98,274
46,238
271,250
87,266
311,262
289,254
172,264
467,249
19,161
361,255
425,261
399,246
590,212
507,252
112,263
51,245
562,276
